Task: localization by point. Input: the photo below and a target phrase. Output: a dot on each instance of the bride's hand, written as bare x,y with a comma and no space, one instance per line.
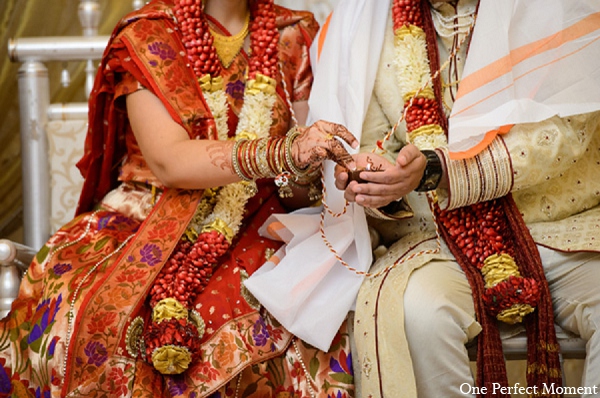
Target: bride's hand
318,142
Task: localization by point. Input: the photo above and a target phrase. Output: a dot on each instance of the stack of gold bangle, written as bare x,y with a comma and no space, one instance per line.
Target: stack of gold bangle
270,157
290,137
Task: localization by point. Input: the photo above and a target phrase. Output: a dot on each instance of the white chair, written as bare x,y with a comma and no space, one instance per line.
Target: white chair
14,260
52,138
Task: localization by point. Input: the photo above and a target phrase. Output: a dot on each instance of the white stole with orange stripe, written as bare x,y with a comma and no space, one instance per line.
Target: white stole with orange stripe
528,60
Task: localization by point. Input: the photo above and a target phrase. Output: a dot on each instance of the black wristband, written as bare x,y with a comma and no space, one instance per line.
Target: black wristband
433,172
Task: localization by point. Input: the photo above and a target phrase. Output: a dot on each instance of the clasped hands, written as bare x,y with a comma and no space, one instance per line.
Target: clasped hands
382,182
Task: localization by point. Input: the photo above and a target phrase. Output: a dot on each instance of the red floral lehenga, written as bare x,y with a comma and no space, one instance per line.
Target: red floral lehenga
74,330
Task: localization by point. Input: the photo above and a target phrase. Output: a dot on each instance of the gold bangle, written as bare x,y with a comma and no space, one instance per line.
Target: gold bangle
261,159
251,158
289,160
235,160
273,155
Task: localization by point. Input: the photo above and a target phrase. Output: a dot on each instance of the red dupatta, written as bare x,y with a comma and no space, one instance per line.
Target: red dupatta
180,93
105,147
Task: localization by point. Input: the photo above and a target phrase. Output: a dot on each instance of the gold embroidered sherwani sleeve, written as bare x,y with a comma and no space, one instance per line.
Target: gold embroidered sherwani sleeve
528,158
544,151
556,167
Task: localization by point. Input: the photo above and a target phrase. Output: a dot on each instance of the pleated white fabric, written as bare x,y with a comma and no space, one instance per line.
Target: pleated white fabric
309,291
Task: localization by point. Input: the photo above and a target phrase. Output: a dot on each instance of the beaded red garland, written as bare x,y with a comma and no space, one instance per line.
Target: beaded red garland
406,13
480,232
422,112
189,269
477,230
190,266
196,38
264,39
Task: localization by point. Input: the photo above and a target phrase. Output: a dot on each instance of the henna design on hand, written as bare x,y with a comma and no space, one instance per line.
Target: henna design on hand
319,142
220,155
340,155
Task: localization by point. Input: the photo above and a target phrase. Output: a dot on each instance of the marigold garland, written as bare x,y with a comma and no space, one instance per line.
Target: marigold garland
172,339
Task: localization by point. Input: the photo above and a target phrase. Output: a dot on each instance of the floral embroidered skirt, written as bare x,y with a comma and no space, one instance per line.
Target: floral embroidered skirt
72,330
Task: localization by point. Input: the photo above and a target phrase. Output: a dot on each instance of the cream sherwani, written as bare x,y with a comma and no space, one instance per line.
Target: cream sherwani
411,322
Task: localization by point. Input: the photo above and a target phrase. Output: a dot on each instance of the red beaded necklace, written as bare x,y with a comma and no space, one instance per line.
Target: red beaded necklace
198,41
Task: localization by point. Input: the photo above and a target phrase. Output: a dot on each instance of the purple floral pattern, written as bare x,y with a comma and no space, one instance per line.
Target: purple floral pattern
235,89
62,268
5,385
96,352
151,254
163,50
260,334
42,393
44,317
177,386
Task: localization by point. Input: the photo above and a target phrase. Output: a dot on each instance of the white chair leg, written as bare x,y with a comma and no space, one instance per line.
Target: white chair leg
14,260
9,287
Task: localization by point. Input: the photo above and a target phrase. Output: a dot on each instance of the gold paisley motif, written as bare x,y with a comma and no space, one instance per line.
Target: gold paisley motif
204,208
221,227
133,337
408,30
168,308
515,314
245,135
498,268
261,84
249,297
211,84
196,319
170,359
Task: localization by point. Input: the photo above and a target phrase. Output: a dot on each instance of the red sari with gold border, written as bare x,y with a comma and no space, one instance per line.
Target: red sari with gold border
70,330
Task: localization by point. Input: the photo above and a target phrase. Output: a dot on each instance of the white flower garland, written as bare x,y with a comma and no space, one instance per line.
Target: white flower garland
411,61
256,115
217,103
431,141
255,118
414,79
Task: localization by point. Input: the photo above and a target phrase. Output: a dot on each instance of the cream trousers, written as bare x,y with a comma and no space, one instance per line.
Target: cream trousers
440,320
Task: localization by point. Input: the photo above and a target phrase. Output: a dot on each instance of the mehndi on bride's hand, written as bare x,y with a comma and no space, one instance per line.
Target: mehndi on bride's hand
319,142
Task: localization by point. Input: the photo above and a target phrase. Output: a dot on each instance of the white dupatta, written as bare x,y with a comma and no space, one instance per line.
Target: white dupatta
309,291
544,61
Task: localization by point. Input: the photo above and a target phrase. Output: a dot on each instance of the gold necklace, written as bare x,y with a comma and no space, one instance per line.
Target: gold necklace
228,47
